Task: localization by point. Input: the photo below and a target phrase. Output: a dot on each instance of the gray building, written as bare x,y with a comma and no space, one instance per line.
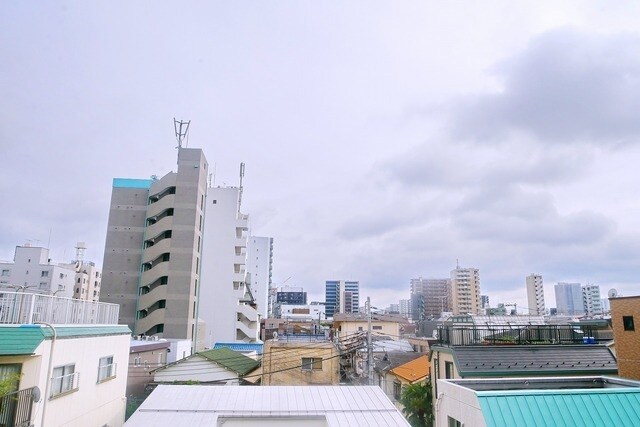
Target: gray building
430,297
152,251
569,299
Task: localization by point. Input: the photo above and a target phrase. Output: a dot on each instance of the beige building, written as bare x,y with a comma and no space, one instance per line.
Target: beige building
300,362
347,325
625,313
153,249
144,356
465,291
535,295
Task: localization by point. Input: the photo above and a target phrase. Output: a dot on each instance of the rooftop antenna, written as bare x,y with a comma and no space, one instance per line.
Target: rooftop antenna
182,130
457,264
240,193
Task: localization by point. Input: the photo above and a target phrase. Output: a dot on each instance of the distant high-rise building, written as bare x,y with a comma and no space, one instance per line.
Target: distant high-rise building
484,302
429,297
259,270
465,290
291,295
227,304
591,300
535,295
152,252
342,296
405,307
569,300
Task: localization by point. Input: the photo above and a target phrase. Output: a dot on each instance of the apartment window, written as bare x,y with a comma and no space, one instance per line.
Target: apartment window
106,369
397,390
61,275
78,281
452,422
376,328
359,328
65,379
448,369
45,273
627,322
137,361
43,285
312,363
160,328
162,303
6,272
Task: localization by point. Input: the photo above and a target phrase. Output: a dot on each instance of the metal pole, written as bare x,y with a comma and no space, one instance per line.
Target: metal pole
369,349
49,372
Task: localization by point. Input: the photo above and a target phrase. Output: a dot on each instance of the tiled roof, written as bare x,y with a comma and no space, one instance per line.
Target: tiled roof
534,360
393,359
414,370
231,360
561,408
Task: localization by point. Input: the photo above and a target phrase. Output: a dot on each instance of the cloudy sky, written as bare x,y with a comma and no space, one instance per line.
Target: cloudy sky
382,140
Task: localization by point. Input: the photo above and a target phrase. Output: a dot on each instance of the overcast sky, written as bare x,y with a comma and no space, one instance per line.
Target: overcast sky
383,140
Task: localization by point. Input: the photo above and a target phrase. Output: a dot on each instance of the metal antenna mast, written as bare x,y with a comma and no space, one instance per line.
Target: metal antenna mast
240,195
182,129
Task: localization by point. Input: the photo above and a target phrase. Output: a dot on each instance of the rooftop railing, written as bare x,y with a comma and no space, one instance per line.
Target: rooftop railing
517,335
29,308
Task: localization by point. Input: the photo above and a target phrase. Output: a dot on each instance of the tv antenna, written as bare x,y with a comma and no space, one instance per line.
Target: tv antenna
182,130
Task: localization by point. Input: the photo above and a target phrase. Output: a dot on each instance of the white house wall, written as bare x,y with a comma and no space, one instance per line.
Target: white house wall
196,368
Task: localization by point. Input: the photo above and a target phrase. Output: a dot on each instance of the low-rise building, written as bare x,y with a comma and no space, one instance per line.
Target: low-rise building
346,325
395,370
625,313
300,362
145,355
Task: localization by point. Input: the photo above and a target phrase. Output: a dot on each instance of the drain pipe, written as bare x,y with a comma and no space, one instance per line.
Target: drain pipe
49,371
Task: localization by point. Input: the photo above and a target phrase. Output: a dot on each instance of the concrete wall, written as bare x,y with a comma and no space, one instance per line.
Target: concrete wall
458,403
627,343
281,363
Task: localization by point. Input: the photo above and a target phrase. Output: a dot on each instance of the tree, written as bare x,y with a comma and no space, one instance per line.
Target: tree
418,404
9,384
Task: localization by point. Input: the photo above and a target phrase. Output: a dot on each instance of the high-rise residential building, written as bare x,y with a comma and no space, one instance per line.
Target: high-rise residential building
227,304
259,271
465,290
88,277
535,295
33,271
569,300
342,296
484,302
591,300
153,249
405,307
291,295
429,297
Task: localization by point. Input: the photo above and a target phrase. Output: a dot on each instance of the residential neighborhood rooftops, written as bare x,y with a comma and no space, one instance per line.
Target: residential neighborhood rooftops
170,405
231,359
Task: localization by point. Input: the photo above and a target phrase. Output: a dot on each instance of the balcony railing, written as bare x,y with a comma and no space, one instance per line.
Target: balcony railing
519,335
28,308
15,408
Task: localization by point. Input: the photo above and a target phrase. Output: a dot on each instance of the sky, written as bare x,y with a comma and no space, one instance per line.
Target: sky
383,141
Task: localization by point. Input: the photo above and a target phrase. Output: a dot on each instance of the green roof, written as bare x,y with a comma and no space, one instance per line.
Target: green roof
561,408
231,360
24,339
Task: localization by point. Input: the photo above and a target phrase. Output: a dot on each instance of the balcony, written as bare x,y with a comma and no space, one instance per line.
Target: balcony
16,407
517,335
29,308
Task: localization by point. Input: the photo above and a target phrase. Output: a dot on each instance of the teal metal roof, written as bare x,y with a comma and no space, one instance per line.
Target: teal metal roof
561,408
131,183
24,339
240,346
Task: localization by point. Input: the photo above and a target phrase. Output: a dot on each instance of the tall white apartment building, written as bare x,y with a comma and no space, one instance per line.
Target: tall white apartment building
33,271
227,304
569,300
591,300
152,254
465,291
535,295
405,307
259,271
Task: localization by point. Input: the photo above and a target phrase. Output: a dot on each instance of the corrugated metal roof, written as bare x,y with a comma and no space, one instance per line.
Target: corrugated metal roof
414,370
170,405
534,360
237,362
561,408
241,347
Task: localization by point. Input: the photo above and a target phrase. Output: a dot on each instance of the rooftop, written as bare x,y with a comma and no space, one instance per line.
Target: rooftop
241,347
531,334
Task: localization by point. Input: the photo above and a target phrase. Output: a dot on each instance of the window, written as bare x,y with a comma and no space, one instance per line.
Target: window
45,273
137,361
397,390
62,276
106,369
65,379
448,369
452,422
6,272
376,328
627,322
312,363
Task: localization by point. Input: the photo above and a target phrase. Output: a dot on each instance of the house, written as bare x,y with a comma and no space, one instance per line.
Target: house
345,325
287,406
525,351
594,401
69,358
393,370
215,367
145,355
300,362
625,312
252,350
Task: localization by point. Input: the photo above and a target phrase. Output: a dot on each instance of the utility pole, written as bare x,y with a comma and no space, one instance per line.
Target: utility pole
369,349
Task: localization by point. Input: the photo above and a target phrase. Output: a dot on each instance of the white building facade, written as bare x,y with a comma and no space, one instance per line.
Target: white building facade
569,300
535,295
591,300
226,303
259,269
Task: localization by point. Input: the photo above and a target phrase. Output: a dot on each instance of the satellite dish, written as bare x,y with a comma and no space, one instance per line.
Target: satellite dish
612,293
275,336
